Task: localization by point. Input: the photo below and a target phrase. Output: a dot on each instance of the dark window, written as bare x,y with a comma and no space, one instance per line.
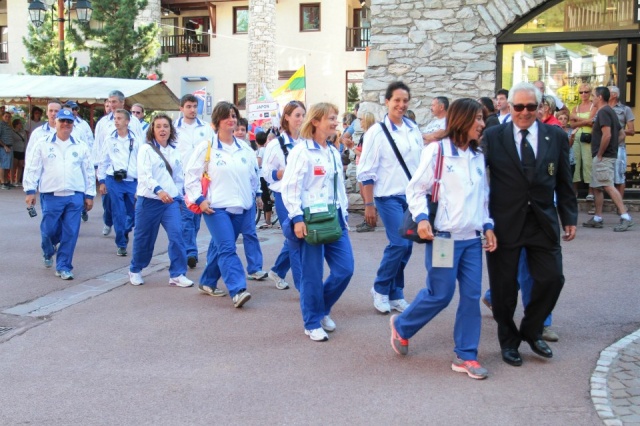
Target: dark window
4,45
310,17
240,95
240,20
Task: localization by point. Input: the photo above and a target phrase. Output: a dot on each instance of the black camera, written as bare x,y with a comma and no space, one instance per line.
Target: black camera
120,175
32,211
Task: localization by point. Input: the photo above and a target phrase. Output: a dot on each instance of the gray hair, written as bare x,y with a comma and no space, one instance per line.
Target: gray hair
524,87
614,89
547,99
138,105
117,93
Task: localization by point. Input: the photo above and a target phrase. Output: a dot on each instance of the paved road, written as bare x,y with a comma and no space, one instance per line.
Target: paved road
168,356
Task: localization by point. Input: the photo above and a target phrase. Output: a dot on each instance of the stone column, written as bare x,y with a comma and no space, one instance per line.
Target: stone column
262,67
150,14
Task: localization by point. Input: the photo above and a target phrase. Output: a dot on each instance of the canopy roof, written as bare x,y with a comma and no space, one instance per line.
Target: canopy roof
39,89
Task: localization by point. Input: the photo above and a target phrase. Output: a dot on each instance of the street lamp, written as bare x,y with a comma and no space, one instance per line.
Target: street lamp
38,8
37,11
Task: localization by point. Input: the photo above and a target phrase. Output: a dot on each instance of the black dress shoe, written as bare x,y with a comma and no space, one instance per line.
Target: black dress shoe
511,357
541,348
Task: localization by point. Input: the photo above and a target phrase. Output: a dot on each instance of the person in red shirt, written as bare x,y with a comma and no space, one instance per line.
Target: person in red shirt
546,112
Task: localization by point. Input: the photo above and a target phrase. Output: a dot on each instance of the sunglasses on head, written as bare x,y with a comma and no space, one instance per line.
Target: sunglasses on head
521,107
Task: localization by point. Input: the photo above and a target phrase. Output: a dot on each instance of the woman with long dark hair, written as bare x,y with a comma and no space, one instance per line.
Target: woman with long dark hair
455,252
159,192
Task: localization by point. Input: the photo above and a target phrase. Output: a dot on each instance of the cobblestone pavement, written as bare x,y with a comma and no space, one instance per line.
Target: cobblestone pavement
615,383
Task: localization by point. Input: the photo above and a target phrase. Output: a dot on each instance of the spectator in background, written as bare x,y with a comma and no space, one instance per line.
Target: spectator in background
434,131
19,147
35,119
367,120
489,113
137,110
504,110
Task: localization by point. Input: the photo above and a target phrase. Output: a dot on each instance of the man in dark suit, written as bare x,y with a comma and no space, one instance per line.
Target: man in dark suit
528,163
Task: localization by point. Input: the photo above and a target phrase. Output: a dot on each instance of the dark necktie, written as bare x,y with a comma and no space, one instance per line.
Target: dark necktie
527,157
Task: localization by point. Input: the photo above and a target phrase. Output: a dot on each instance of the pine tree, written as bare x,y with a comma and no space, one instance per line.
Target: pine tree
353,96
118,48
44,51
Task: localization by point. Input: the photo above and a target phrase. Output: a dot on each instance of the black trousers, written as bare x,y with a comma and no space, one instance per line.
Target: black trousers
545,265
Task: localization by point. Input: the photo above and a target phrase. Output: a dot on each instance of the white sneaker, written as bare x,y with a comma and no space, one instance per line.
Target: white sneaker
380,302
257,276
106,230
327,323
399,305
280,283
317,335
135,278
180,281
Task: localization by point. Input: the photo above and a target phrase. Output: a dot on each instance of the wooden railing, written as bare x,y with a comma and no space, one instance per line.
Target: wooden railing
181,45
358,38
600,14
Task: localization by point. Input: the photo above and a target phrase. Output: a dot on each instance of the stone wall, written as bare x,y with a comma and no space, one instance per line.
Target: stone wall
437,47
262,48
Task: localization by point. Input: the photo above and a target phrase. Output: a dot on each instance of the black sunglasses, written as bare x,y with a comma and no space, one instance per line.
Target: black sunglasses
521,107
64,120
583,93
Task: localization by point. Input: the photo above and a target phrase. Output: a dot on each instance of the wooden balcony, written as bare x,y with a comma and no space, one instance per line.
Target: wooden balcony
358,38
181,45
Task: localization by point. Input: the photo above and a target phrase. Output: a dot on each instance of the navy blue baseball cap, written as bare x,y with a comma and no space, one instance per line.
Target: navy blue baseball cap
71,104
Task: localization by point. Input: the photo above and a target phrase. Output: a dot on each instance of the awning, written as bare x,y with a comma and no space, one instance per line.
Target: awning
40,89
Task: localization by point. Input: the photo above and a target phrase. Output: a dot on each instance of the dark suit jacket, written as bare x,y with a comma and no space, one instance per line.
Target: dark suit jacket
511,194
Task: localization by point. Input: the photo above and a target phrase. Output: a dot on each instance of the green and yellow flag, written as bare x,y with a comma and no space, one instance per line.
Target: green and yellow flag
293,89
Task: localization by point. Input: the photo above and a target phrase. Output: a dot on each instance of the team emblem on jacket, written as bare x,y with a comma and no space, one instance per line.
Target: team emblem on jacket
551,169
75,154
479,170
244,160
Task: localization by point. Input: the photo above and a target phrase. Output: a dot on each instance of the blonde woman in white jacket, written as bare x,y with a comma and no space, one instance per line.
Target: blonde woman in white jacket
308,181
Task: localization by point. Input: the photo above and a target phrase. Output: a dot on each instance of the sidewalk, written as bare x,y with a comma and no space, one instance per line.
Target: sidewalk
167,356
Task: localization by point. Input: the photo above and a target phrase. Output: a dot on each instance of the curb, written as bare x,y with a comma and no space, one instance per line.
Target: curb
600,395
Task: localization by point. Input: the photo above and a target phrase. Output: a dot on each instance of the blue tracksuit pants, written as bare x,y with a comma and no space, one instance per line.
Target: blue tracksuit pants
390,277
289,257
150,214
222,257
122,198
318,297
61,224
441,284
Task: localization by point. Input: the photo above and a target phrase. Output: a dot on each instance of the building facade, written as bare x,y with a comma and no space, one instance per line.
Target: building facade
463,48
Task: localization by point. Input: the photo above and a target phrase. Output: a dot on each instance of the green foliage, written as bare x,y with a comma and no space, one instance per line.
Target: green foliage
44,51
353,95
116,47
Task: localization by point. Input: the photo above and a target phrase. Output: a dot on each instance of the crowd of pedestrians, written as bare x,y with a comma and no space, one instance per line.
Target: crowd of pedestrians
501,172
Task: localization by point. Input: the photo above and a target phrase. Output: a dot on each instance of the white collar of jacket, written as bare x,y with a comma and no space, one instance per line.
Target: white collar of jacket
115,135
198,122
449,149
405,120
235,141
55,137
311,144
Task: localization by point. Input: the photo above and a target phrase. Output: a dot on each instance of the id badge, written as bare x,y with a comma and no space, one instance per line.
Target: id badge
442,253
316,202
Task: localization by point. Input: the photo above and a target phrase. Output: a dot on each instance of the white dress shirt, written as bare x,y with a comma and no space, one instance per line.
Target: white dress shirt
378,163
532,138
60,167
